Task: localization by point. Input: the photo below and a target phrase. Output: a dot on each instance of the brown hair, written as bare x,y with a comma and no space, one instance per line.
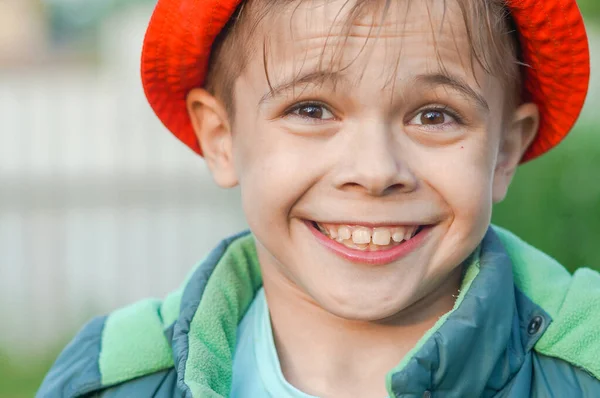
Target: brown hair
490,30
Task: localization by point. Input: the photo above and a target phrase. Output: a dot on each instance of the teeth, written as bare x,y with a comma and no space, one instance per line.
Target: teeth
381,236
333,233
367,238
344,233
361,235
398,236
361,246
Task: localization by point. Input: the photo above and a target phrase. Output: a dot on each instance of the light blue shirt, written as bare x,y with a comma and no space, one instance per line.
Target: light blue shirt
256,369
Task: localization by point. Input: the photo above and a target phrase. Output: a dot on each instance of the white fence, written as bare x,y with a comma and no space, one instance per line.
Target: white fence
99,205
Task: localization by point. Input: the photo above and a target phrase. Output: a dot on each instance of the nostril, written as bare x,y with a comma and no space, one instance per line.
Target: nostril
373,189
352,186
395,187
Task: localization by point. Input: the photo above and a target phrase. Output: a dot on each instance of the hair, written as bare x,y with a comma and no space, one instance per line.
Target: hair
491,34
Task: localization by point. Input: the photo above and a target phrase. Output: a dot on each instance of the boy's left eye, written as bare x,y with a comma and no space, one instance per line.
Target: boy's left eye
432,117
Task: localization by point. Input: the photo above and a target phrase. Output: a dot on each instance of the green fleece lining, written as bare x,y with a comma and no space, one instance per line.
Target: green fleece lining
470,274
573,302
133,340
227,296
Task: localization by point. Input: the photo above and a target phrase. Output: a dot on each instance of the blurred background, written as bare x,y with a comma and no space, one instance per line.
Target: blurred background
99,206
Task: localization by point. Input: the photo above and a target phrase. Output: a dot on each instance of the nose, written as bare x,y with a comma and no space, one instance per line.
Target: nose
373,163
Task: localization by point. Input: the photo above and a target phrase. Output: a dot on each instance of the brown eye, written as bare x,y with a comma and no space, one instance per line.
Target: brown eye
315,112
312,111
432,117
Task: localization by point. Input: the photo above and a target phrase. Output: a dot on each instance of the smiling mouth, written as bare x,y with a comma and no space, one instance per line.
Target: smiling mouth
365,238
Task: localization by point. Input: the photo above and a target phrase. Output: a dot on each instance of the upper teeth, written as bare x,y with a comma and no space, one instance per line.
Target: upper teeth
361,235
343,232
381,236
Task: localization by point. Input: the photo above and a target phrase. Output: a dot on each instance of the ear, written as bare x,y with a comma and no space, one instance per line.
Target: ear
213,131
514,141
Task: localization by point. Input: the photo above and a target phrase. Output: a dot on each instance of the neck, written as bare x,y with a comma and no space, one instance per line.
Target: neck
325,355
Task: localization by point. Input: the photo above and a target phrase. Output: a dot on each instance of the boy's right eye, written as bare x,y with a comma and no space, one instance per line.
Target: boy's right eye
312,111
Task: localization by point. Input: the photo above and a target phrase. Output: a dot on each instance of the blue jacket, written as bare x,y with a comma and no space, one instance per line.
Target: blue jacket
522,326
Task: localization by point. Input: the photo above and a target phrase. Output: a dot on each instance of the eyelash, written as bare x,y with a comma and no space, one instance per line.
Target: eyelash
430,108
443,109
307,104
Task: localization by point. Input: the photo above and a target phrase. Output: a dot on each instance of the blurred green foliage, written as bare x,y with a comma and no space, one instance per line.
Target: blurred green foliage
590,9
20,378
554,201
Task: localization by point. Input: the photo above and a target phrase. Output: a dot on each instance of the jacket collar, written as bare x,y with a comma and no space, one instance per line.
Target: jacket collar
472,350
482,343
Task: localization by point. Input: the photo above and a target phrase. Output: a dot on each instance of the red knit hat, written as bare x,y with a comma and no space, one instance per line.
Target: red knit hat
552,36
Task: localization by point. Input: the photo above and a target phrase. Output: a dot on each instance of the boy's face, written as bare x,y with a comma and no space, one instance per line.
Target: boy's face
398,142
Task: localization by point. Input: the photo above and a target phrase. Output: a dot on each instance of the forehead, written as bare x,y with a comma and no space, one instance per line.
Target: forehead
377,41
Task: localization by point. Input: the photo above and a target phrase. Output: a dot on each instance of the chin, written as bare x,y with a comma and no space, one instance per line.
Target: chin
367,305
379,313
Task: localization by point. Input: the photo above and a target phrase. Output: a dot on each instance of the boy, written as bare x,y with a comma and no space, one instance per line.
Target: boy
370,140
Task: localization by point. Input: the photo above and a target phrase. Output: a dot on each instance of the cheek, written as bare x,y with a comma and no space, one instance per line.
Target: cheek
463,179
274,173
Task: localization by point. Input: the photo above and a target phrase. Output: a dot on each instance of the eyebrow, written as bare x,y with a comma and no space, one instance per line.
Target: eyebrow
432,79
455,82
315,77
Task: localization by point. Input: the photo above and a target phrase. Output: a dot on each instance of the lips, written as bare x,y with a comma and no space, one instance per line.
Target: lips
350,241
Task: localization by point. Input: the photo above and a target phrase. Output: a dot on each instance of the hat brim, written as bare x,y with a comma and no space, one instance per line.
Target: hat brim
553,40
